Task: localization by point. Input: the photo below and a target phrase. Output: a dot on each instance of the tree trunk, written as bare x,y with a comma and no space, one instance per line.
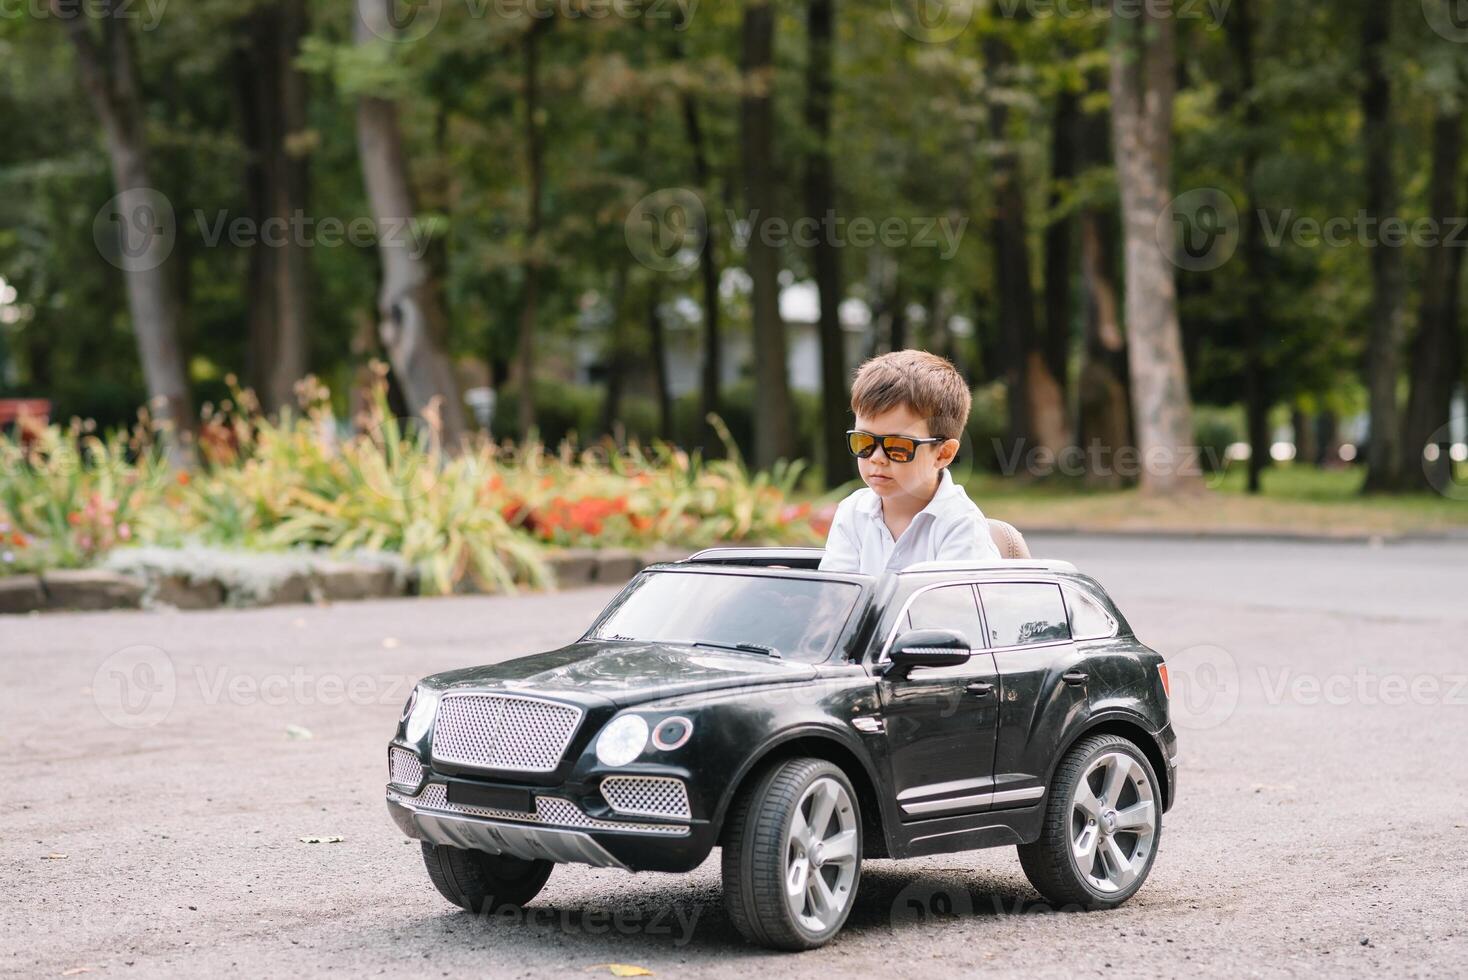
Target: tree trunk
1036,401
535,173
1143,71
273,114
1256,327
1105,417
708,265
773,431
1437,355
657,349
1382,453
1059,244
411,320
150,273
820,201
293,299
619,343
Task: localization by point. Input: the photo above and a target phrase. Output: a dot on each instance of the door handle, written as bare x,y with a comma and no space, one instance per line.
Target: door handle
980,689
1074,678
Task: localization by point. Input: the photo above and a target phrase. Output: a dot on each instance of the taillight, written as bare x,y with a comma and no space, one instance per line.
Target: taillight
1166,684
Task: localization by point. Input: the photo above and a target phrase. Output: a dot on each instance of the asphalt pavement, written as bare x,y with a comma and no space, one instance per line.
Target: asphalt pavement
161,771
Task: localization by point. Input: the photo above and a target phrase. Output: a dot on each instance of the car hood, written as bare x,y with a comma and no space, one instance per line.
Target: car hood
625,672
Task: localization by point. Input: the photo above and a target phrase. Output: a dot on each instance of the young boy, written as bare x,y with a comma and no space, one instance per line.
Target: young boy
910,408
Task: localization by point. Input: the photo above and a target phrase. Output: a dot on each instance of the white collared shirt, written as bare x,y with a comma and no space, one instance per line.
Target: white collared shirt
950,528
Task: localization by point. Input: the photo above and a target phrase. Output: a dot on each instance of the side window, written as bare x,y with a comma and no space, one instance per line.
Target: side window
1024,612
951,607
1088,621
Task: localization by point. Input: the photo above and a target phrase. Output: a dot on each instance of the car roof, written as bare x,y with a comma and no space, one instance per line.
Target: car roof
1005,565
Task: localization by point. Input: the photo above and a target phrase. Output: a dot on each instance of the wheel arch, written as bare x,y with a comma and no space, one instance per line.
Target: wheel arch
1133,730
819,743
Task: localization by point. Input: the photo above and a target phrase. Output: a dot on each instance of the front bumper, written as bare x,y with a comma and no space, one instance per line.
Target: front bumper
559,830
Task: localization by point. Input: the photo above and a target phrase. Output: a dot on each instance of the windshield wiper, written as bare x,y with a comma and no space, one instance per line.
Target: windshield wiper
759,648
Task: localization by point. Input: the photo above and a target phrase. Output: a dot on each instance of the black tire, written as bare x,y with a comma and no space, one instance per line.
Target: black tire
756,839
1049,862
484,883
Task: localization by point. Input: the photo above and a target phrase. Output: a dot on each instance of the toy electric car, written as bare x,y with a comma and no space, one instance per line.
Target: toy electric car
802,721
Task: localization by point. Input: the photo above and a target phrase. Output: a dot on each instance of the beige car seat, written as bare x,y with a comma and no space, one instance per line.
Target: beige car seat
1008,540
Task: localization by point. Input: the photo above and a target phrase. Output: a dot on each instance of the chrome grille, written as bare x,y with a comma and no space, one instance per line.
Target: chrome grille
503,731
404,768
549,810
647,796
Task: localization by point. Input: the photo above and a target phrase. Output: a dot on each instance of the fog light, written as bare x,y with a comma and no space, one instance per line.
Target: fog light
672,733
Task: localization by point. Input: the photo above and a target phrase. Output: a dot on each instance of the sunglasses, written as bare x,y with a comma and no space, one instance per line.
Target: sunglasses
898,449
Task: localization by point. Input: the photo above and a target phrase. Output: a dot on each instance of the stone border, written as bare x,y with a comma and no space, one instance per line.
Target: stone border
321,579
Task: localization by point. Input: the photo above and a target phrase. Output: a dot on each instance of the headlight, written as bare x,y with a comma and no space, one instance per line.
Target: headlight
622,741
418,713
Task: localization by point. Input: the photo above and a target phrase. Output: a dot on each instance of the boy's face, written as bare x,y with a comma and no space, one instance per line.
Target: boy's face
917,479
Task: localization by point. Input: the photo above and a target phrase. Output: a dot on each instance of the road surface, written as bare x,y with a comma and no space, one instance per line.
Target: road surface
161,770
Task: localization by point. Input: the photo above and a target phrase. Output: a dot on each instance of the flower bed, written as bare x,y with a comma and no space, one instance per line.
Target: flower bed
486,516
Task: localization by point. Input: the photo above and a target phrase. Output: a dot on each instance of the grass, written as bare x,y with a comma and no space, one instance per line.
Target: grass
1295,499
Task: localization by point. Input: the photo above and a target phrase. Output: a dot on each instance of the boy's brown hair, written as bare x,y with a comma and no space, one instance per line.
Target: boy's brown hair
926,383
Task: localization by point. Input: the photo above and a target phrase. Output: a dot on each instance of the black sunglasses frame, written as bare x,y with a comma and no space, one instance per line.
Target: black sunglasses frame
882,441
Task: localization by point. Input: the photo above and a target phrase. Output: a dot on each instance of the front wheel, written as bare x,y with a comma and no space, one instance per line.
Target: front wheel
1102,824
792,855
484,883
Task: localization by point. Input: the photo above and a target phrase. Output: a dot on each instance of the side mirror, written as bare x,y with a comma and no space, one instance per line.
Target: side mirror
928,648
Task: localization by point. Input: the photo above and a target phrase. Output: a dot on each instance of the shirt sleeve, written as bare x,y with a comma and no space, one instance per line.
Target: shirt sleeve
967,539
841,554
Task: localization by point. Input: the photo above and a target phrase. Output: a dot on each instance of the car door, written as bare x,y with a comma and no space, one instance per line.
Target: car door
941,722
1042,684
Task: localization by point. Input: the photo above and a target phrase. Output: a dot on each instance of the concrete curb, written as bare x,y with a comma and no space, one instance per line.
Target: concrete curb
1248,534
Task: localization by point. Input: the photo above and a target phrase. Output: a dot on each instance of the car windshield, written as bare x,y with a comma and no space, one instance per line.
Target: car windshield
799,618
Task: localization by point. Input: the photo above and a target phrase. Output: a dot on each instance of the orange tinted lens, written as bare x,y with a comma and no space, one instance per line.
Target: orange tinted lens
860,444
898,449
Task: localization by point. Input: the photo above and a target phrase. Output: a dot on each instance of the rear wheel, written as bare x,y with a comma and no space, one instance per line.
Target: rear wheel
1102,824
483,883
792,855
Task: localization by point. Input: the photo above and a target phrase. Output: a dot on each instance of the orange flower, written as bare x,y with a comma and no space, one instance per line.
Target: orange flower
183,478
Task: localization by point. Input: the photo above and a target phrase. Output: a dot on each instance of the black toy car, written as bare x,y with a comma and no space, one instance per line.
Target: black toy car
802,721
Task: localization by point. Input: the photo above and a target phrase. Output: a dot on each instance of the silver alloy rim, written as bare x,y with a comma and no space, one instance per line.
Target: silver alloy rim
820,856
1113,822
